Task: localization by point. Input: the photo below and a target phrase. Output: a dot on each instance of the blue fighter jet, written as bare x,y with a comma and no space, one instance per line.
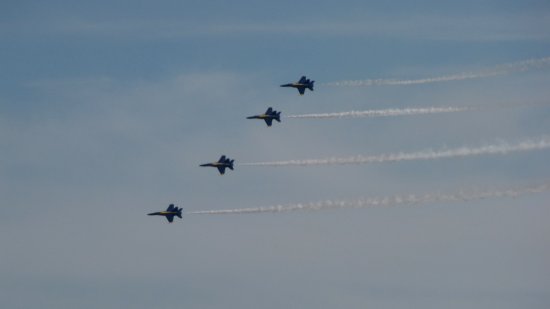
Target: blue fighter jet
222,163
170,212
268,117
301,85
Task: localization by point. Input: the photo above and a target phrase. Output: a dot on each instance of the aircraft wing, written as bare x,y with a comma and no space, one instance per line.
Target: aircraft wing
170,208
222,159
170,218
302,80
269,111
268,121
221,169
301,90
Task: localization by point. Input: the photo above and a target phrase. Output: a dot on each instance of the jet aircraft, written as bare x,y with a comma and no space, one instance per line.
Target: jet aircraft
301,85
222,163
170,212
268,117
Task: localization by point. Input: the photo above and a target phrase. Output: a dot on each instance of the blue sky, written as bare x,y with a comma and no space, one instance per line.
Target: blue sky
108,107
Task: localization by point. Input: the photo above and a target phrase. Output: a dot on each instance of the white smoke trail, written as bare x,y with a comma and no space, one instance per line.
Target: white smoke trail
393,112
385,201
499,70
385,112
500,148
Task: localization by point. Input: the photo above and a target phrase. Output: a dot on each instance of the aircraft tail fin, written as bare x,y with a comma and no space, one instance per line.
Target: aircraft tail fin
278,116
231,164
310,86
178,210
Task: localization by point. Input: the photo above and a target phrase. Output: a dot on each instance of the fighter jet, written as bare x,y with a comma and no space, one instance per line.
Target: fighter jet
301,85
170,212
222,163
268,117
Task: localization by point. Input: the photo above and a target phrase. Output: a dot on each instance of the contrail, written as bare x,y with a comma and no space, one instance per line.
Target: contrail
500,148
386,201
503,69
411,111
385,112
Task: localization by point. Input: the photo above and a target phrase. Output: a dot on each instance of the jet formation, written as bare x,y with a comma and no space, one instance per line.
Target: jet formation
221,165
169,213
268,116
301,85
224,162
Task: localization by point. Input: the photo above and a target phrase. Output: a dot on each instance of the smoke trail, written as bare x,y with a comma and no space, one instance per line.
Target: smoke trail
393,112
499,70
385,112
501,148
385,201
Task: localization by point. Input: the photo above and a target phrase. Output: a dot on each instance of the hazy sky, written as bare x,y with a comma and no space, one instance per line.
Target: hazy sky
108,107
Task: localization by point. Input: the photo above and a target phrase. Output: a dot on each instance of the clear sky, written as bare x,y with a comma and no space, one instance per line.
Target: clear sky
108,107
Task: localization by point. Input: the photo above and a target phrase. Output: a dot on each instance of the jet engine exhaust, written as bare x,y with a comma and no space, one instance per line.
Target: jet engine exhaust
384,113
390,201
495,149
503,69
